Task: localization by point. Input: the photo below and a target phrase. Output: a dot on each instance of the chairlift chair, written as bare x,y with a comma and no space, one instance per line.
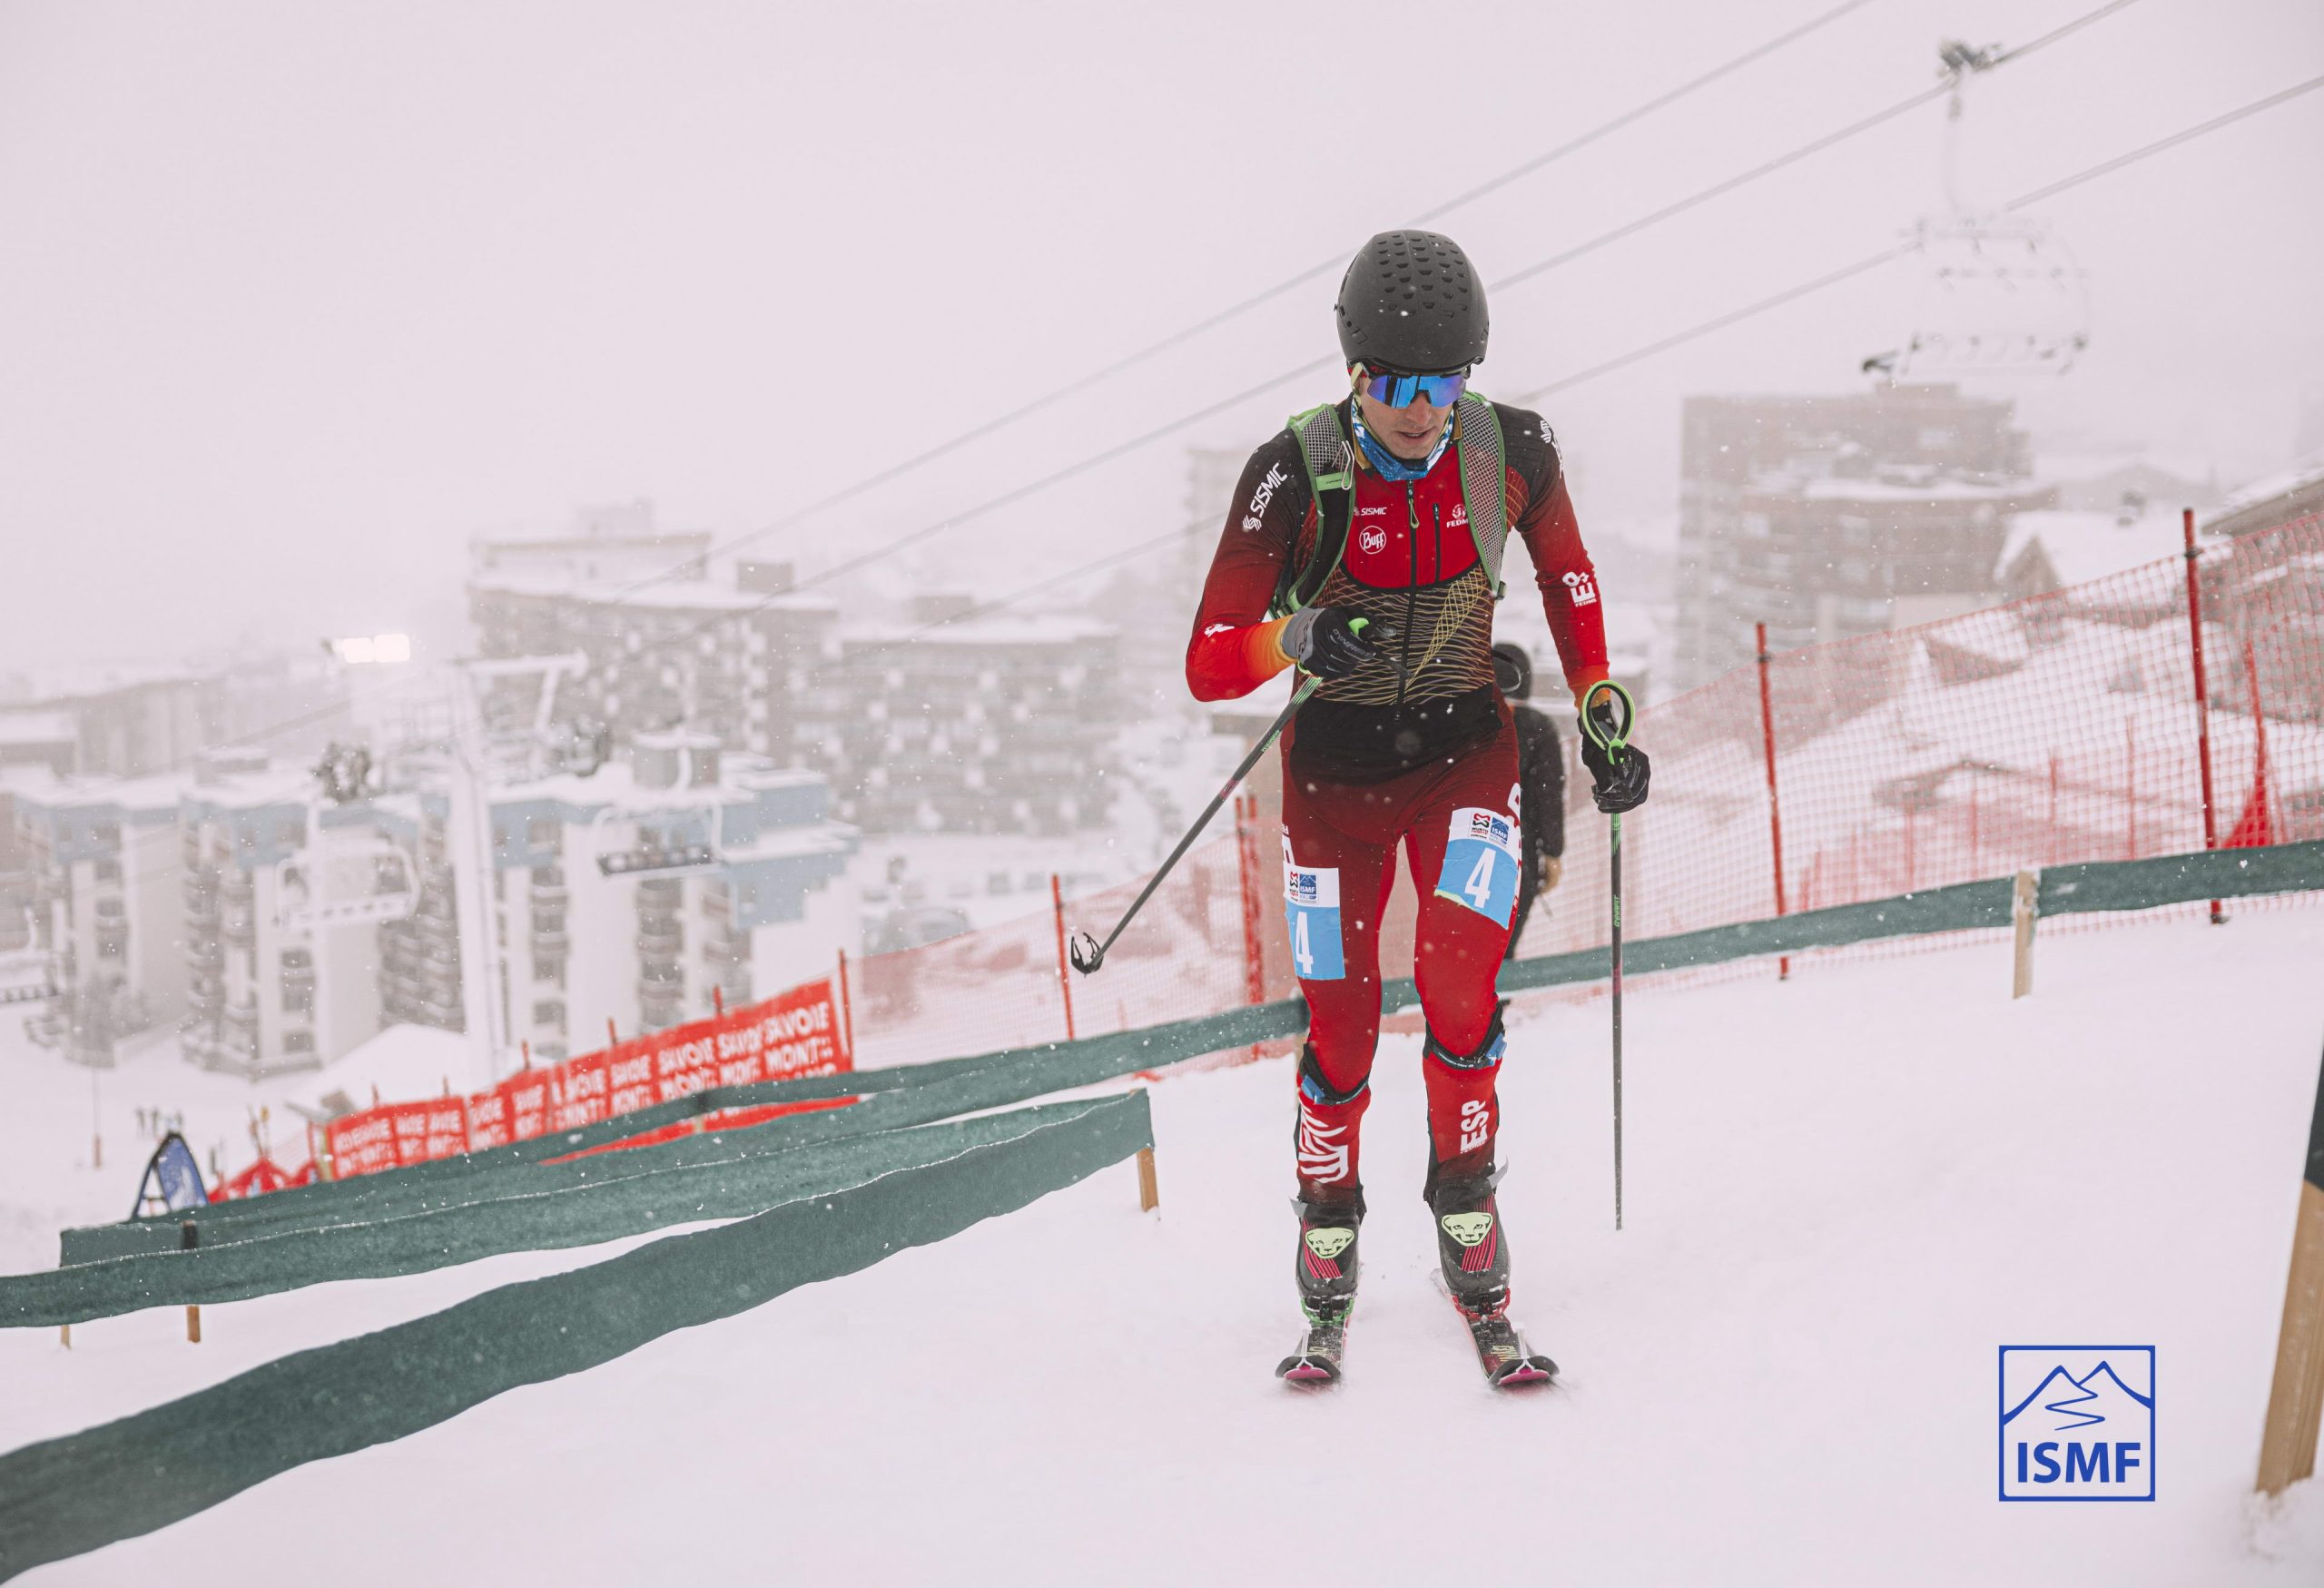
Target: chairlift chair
346,884
1998,294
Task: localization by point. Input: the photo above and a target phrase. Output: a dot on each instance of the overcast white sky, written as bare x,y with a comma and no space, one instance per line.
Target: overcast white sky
296,298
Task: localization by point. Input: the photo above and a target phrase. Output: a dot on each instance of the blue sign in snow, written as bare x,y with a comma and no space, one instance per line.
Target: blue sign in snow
172,1180
2077,1421
1481,861
1311,909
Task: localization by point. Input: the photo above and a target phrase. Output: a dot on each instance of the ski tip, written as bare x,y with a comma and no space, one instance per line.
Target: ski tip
1306,1370
1525,1370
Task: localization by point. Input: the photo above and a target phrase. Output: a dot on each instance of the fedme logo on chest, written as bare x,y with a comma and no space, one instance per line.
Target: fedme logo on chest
2077,1423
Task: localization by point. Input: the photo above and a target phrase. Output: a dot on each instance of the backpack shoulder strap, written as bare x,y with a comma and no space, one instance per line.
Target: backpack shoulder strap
1330,463
1484,482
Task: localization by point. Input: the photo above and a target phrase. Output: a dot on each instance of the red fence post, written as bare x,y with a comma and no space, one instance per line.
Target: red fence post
2265,828
1775,809
1064,969
2050,846
1246,867
846,1007
2203,694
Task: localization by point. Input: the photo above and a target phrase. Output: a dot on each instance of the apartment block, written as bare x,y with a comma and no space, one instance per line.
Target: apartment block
1827,516
964,724
103,875
744,661
676,878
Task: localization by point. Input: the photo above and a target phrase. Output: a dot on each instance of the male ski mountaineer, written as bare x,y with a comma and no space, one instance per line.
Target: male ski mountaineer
1364,547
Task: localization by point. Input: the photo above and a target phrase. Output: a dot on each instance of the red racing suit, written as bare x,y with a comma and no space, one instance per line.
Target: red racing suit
1419,750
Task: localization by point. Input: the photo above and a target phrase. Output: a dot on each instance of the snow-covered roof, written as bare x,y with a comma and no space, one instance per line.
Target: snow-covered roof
2082,546
2271,498
792,843
406,1063
984,631
667,594
62,681
37,728
37,785
1832,489
2066,467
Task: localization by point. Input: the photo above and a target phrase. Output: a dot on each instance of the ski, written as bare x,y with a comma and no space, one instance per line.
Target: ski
1316,1358
1507,1358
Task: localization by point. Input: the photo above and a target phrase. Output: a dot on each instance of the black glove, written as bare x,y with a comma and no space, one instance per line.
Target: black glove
1619,785
1328,641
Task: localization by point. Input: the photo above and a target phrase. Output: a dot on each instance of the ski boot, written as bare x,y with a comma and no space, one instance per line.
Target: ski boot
1472,1252
1470,1247
1324,1266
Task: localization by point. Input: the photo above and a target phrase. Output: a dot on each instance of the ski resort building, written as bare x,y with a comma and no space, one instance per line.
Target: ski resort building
1827,517
271,988
124,722
666,647
963,724
103,869
643,896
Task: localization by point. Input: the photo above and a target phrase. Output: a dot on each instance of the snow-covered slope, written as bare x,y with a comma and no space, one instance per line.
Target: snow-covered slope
1844,1193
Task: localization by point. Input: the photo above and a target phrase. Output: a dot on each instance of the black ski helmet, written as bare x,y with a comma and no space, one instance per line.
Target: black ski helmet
1411,302
1513,670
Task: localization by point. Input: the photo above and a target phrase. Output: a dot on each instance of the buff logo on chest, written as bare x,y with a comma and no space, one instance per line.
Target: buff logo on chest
1481,864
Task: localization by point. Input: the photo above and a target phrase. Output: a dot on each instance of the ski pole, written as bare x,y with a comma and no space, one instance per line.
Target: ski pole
1086,953
1613,739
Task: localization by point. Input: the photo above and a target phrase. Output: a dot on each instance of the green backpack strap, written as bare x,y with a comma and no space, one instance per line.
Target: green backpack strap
1330,461
1484,482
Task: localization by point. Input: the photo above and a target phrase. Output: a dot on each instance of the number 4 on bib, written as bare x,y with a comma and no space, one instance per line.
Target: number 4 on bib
1481,861
1311,906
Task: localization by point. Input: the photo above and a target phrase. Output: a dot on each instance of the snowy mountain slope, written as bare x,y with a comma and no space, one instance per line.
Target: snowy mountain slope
1845,1191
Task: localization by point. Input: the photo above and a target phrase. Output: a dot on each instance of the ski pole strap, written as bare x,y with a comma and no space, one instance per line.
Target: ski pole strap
1616,739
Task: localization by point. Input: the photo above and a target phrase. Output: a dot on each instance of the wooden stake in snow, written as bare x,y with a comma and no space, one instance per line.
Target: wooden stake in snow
187,1237
2026,900
2296,1400
1149,1193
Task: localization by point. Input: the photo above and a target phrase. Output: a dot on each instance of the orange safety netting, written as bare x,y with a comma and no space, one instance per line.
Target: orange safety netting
2055,729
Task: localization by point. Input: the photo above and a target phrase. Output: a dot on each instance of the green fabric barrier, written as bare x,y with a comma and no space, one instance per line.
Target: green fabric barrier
1958,908
2179,879
721,1175
161,1232
63,1497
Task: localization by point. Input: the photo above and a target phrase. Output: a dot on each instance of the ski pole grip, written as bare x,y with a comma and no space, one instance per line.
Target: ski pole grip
1616,739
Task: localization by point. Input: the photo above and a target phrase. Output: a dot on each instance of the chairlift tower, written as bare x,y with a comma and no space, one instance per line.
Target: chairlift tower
479,759
1998,294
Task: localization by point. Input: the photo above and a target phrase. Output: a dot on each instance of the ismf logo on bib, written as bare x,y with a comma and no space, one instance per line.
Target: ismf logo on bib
1311,909
1481,864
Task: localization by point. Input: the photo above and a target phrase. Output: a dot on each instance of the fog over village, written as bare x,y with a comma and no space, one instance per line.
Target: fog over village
543,535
